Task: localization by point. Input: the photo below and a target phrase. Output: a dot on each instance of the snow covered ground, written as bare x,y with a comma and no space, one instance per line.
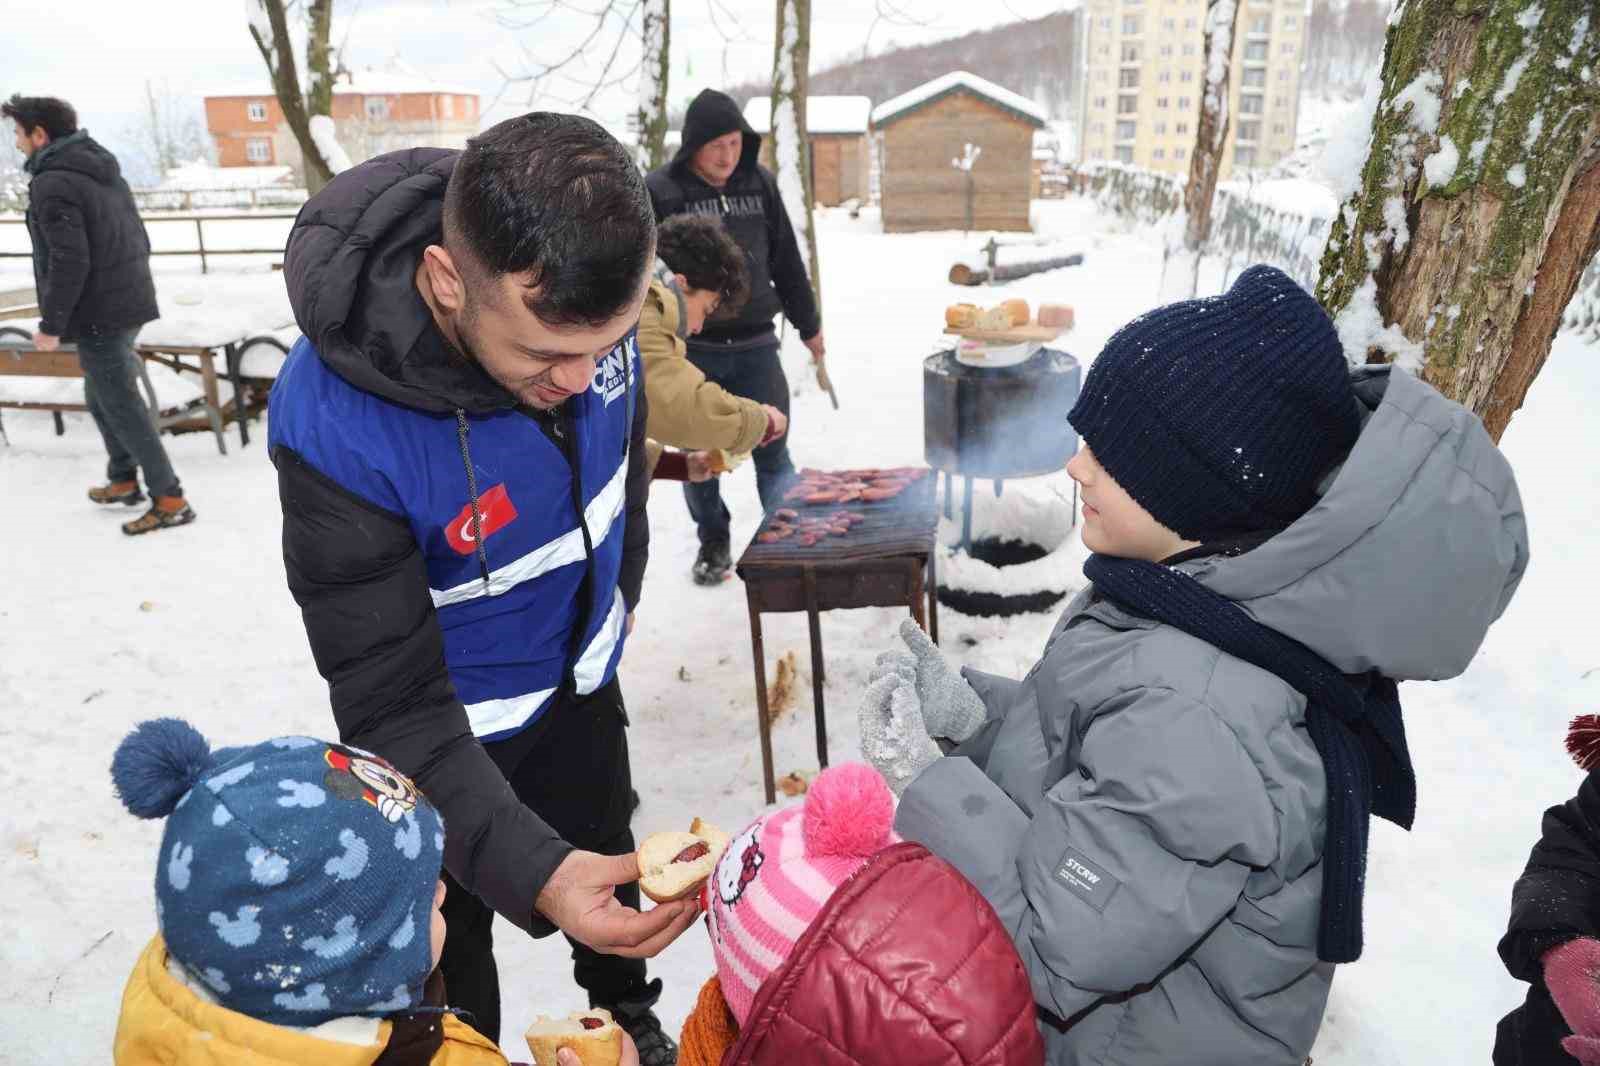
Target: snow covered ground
98,631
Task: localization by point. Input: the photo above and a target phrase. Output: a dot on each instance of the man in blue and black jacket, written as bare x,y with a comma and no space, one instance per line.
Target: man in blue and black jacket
459,443
716,173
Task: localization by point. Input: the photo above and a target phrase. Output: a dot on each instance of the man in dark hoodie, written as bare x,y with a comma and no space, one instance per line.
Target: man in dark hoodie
716,173
91,267
459,439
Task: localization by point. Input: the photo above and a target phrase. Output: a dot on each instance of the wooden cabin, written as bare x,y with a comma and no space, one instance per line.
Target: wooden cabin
918,136
841,160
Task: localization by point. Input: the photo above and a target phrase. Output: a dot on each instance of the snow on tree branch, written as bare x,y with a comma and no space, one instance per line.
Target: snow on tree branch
333,153
1219,60
786,130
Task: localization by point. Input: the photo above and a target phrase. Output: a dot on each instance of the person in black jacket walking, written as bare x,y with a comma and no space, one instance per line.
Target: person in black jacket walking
1553,938
459,439
91,267
715,173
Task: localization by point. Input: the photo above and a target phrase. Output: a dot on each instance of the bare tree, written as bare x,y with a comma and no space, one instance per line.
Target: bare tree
1344,45
791,148
169,132
1181,272
279,42
611,27
1479,202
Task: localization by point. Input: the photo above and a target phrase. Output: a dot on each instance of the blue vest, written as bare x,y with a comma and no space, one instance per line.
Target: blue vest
508,640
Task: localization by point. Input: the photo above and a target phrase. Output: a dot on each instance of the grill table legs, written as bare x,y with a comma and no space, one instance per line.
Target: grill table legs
918,611
817,677
921,583
763,725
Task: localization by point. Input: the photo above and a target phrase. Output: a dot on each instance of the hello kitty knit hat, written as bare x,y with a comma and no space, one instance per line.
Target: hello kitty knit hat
777,874
296,877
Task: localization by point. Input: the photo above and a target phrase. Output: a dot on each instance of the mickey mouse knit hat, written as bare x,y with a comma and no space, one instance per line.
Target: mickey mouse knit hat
777,874
1220,416
296,877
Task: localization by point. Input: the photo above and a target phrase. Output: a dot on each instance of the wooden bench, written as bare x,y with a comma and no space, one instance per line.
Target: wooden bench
23,360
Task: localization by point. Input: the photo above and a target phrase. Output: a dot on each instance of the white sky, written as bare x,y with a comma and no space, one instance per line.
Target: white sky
99,53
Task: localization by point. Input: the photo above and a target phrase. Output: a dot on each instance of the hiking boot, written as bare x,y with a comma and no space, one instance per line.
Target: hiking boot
125,492
639,1020
711,566
167,512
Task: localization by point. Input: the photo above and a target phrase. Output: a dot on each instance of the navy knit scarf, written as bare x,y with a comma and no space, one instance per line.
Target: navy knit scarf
1354,722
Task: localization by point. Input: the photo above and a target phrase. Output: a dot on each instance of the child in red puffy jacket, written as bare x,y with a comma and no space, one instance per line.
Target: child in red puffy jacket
1553,940
829,933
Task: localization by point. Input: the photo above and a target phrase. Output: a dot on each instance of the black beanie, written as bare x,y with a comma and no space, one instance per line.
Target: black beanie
1220,416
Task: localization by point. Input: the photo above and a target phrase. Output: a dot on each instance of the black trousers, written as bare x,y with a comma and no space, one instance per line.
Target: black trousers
574,774
756,374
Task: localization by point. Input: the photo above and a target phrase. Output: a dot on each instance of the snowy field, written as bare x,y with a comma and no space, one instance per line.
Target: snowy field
98,631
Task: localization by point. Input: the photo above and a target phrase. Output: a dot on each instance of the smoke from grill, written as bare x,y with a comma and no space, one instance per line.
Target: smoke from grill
999,422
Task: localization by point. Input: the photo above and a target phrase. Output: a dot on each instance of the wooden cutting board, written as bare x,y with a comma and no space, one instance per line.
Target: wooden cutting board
1014,335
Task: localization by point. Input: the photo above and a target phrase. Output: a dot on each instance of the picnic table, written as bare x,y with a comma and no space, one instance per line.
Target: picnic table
206,330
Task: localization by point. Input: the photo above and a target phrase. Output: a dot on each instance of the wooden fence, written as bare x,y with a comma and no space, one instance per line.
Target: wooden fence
199,247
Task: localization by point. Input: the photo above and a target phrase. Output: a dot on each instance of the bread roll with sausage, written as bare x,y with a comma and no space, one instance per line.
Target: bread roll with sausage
592,1035
674,865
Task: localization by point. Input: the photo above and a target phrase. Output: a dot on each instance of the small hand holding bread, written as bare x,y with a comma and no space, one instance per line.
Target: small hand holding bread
674,865
591,1035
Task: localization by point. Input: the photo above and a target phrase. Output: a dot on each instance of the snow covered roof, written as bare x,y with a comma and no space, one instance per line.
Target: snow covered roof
824,114
956,81
202,175
361,83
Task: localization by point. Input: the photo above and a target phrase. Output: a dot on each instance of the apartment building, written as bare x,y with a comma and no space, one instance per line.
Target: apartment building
374,111
1144,65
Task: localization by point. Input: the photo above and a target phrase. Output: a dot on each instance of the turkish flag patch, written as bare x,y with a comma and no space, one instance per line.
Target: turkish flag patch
497,511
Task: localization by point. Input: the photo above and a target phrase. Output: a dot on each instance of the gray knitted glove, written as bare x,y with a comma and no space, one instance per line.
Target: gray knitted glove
950,709
892,735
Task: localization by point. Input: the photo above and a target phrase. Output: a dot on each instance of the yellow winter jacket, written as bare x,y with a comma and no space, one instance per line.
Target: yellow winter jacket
164,1023
686,410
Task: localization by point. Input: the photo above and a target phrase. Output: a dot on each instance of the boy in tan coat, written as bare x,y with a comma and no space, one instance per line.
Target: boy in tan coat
700,273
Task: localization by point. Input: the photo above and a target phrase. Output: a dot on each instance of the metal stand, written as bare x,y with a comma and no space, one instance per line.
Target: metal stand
909,581
966,516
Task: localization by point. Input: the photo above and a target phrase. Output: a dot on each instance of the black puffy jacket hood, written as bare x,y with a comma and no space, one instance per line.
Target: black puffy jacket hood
710,115
350,267
76,152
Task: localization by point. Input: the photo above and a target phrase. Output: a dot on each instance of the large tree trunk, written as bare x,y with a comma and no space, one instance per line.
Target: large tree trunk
791,148
269,27
655,30
319,66
1479,203
1181,273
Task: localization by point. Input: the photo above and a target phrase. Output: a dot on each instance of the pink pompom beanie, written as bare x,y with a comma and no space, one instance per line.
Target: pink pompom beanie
778,873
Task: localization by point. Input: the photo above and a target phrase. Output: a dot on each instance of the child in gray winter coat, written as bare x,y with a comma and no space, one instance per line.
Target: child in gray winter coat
1170,810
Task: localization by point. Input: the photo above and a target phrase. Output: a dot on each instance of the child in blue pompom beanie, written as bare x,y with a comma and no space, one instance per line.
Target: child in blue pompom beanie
298,895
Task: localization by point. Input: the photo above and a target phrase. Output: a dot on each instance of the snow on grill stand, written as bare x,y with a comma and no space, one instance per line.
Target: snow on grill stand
887,559
1000,423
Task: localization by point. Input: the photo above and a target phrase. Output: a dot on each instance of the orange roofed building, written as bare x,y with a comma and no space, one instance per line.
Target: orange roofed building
374,111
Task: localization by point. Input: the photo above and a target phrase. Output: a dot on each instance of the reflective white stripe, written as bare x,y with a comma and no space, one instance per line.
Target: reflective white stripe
494,716
567,548
591,668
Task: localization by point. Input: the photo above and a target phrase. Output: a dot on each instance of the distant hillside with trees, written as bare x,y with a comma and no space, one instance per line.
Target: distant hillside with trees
1037,58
